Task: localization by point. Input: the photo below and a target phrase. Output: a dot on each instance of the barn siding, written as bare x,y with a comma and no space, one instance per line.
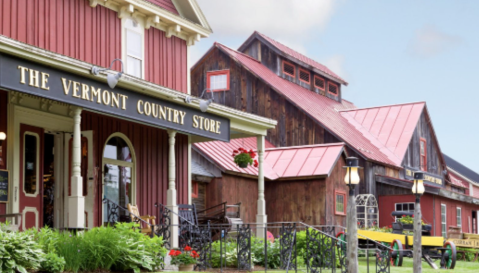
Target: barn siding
335,182
3,148
412,156
151,149
165,60
234,189
248,93
67,27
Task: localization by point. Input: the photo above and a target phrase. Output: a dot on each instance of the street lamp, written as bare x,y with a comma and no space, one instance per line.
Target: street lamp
418,190
352,179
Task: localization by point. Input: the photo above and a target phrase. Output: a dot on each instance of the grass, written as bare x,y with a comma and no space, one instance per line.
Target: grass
461,267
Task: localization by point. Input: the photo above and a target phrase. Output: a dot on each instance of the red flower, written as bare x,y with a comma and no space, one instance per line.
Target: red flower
194,254
404,216
390,226
178,253
256,165
413,215
255,161
235,151
172,252
187,248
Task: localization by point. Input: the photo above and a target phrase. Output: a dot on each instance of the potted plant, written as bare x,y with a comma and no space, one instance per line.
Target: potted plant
185,260
408,222
243,158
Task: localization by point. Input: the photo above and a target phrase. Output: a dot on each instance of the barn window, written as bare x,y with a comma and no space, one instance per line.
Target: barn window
340,202
459,218
218,80
194,189
405,207
288,69
333,88
304,76
134,49
423,156
319,82
443,221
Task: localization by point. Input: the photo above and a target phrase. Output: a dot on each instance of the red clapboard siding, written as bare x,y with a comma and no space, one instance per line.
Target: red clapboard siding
3,128
166,4
151,150
165,60
68,27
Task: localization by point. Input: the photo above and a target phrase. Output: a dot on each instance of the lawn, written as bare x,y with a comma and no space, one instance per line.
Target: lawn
461,267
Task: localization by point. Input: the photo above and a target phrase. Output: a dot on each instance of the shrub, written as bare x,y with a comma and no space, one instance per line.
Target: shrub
19,252
53,263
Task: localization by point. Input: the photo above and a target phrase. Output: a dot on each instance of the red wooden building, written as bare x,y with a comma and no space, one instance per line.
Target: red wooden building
71,139
267,78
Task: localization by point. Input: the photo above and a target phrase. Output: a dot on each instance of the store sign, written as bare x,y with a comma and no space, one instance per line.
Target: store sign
465,242
32,78
429,178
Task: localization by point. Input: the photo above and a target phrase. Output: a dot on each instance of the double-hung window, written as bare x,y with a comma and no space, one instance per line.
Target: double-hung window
340,202
459,218
134,48
443,221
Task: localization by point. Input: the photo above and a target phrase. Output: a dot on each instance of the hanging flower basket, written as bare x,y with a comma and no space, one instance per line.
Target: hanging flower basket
243,158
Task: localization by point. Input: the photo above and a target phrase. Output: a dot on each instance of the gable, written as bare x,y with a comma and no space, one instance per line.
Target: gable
434,160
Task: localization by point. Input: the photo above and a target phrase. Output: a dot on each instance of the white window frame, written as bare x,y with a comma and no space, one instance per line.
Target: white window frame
37,166
124,51
459,217
444,224
395,204
121,163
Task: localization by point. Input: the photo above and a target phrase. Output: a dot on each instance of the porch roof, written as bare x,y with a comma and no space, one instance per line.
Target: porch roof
279,163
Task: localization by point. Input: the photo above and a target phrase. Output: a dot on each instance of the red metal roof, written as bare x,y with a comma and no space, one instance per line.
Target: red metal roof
302,58
458,181
288,162
326,111
166,4
313,160
392,126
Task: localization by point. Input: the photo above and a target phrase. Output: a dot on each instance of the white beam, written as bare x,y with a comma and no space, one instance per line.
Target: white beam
126,11
261,217
171,192
151,21
76,202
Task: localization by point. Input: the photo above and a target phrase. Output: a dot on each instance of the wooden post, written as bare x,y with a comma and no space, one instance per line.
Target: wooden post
76,202
171,193
352,234
261,217
417,244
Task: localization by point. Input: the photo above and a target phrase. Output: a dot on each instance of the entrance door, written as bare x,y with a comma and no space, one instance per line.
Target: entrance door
474,222
31,176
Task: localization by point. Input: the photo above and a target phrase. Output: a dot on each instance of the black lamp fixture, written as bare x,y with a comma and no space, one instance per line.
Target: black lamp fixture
418,186
3,136
352,173
111,79
203,103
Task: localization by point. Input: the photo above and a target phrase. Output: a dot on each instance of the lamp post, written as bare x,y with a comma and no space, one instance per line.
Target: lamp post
418,190
352,179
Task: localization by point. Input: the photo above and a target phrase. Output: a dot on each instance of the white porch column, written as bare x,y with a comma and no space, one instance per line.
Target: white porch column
261,217
76,202
171,193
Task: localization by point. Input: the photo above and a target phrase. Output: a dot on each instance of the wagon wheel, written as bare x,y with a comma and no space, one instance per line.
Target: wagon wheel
342,245
451,255
396,253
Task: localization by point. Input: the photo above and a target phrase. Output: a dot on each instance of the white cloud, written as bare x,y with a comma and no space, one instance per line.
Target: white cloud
335,63
430,41
278,18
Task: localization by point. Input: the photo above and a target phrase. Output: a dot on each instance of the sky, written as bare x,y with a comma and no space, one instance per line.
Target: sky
389,52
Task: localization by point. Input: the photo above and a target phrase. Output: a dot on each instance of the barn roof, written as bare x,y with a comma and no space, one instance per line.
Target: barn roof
294,54
390,126
460,169
309,161
324,110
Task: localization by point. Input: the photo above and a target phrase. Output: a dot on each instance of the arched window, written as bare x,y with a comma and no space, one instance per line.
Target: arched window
118,171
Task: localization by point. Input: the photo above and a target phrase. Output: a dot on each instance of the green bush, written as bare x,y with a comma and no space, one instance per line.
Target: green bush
53,263
470,254
19,252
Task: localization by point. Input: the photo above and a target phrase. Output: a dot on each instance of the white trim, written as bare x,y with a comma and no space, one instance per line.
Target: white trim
37,161
146,9
131,165
29,209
